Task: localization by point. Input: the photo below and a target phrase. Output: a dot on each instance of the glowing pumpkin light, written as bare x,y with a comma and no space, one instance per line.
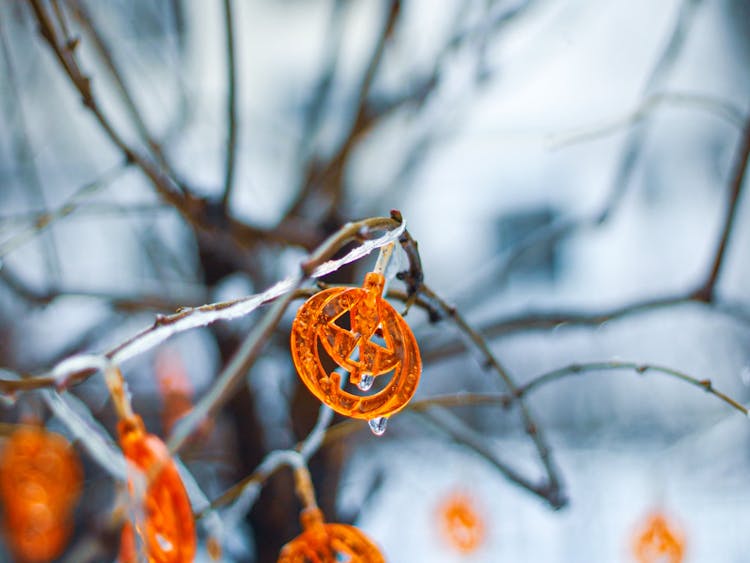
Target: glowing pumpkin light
378,341
658,541
40,482
320,542
167,528
460,523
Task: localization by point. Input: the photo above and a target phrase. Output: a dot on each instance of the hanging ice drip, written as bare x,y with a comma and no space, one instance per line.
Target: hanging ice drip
376,342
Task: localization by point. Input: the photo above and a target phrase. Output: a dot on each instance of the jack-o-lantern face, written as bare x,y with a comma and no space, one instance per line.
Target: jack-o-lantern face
356,349
168,528
322,542
40,481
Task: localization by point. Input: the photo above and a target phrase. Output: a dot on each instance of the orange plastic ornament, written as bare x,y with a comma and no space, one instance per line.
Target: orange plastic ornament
40,482
370,316
460,523
659,542
320,542
168,527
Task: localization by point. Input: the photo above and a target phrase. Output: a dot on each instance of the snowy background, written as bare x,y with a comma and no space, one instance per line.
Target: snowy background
526,123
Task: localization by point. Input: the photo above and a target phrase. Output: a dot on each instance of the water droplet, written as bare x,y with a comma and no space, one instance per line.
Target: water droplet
377,425
366,381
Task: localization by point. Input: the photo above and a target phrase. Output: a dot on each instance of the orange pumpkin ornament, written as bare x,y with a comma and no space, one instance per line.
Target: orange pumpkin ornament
168,527
460,523
320,542
659,542
40,482
370,316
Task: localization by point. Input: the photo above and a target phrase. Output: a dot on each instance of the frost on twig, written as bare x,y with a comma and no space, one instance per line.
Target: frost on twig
87,431
76,368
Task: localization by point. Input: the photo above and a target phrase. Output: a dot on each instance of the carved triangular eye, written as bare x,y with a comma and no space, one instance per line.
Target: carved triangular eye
344,321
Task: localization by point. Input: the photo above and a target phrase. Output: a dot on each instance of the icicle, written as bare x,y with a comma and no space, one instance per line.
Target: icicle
377,425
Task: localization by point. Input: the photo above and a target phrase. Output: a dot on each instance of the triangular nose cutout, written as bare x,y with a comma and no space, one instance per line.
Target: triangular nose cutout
377,336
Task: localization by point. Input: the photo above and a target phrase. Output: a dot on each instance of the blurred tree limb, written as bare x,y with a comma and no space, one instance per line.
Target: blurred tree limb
229,233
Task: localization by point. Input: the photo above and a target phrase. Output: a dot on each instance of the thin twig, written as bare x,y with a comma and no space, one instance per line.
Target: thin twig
553,319
739,168
553,493
274,461
542,320
454,427
463,399
122,303
24,156
84,18
543,379
718,107
47,218
329,177
231,107
229,379
234,234
634,142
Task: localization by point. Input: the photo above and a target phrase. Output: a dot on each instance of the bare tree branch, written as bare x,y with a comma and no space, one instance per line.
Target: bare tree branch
720,108
25,159
541,380
235,235
541,320
553,489
328,178
460,432
231,108
739,168
636,135
85,20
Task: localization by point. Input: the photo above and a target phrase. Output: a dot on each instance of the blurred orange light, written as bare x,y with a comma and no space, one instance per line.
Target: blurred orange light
174,386
461,524
40,482
657,541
